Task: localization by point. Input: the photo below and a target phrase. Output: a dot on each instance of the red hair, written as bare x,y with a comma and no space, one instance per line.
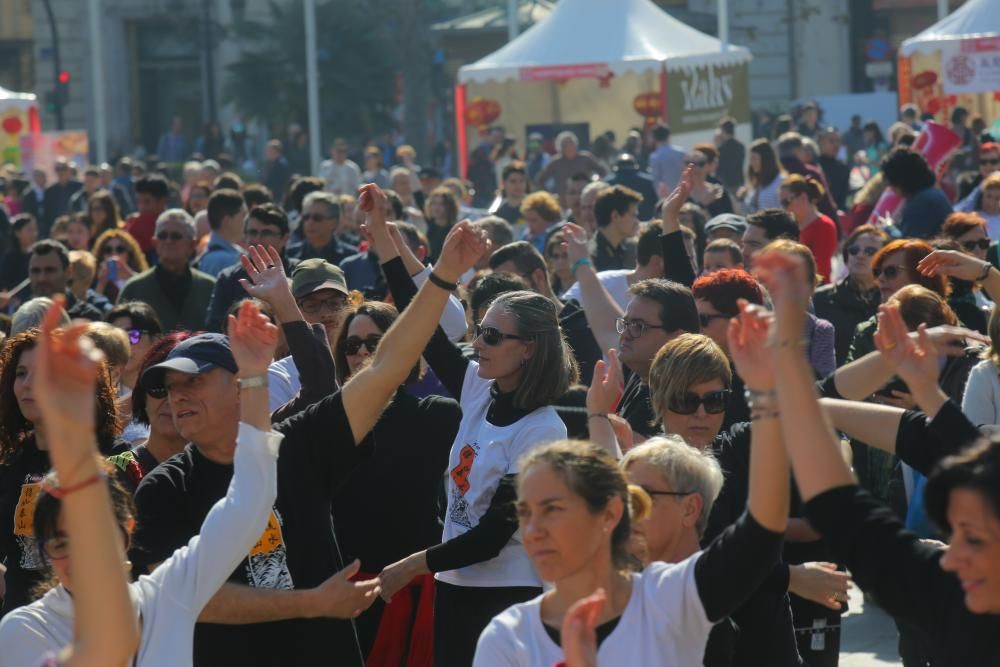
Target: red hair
913,251
724,287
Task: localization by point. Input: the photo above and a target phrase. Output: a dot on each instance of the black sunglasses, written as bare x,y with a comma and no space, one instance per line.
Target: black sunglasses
890,272
113,250
156,392
688,402
706,319
353,344
995,160
493,336
856,249
982,244
173,236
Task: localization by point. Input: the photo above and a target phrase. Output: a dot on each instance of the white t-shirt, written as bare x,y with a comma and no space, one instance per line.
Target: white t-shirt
170,599
664,623
282,382
480,456
614,280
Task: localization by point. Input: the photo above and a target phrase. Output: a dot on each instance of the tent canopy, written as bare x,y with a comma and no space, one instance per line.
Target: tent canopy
974,19
10,98
615,36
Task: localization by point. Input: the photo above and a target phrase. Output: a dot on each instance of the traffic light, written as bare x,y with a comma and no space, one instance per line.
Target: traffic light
62,88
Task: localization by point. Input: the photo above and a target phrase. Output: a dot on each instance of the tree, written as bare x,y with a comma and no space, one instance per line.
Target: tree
356,71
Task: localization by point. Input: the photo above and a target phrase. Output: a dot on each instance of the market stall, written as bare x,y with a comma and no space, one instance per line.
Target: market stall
617,65
18,117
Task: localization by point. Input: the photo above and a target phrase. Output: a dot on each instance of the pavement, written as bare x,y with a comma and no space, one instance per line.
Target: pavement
868,636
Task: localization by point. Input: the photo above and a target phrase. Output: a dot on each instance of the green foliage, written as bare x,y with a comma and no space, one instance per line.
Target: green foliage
356,72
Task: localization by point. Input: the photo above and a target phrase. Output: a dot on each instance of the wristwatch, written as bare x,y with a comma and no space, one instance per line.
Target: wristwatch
253,381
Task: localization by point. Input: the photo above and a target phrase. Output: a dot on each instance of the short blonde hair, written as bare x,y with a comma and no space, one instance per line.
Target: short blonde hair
112,341
992,181
685,468
82,266
544,204
680,364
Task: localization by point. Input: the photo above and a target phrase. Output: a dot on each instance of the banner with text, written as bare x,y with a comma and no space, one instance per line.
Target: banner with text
698,96
971,66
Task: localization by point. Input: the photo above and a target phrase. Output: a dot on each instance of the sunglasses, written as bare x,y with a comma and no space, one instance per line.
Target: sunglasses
982,244
493,336
173,236
856,249
135,335
696,163
113,250
688,402
353,344
306,217
635,328
995,160
890,272
706,318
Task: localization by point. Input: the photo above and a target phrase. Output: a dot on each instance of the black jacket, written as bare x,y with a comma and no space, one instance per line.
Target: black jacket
845,308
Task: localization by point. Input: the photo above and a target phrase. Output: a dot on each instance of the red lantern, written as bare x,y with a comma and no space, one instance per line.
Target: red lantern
481,112
648,105
934,106
952,100
12,125
996,97
925,79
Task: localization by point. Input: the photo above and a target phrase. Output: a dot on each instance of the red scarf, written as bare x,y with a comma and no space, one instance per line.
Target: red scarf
406,631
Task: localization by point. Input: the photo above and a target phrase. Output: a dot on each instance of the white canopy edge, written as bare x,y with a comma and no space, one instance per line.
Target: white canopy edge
9,98
976,19
926,46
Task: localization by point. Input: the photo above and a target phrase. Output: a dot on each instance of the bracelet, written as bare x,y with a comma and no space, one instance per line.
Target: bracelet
760,400
252,382
599,415
60,492
986,271
583,261
437,281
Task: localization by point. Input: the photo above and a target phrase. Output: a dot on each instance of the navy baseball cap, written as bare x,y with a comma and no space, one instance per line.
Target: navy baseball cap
196,355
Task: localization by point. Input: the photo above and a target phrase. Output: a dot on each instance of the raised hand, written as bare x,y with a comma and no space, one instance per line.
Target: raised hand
748,336
951,340
785,277
579,639
953,264
67,365
576,244
372,200
252,339
914,359
606,386
267,281
463,246
674,201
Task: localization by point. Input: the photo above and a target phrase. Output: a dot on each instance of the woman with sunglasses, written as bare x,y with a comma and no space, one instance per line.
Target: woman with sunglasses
140,322
163,606
575,508
24,459
120,258
800,196
560,277
507,398
967,232
854,299
412,441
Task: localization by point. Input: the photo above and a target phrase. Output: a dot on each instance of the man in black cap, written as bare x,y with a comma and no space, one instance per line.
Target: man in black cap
320,290
726,226
280,604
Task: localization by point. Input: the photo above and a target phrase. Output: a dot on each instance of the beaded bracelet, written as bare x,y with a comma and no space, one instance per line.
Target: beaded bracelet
60,492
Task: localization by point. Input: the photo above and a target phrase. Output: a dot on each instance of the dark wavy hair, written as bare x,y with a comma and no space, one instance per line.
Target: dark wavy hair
15,428
383,315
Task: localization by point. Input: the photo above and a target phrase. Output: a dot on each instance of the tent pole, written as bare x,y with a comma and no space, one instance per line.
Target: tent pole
462,143
312,85
723,26
942,6
663,93
513,26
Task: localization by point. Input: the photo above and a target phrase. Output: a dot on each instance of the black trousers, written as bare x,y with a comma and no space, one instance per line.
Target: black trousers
461,614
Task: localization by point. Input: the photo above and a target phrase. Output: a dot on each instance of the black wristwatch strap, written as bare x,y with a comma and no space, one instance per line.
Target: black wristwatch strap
443,284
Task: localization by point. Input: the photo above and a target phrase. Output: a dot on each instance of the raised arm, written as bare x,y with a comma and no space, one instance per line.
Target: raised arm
367,392
602,400
105,631
599,306
955,264
677,265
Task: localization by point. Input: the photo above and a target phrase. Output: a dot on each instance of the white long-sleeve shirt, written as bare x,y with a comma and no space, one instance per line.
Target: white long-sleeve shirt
169,600
981,400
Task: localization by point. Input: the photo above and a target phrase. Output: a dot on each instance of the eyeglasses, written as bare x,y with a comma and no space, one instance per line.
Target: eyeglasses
353,344
688,402
493,336
995,160
261,234
114,250
334,304
635,328
856,249
706,318
306,217
890,272
135,335
55,548
173,236
653,492
982,244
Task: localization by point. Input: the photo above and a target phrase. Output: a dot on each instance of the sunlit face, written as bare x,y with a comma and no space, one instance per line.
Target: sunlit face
796,204
402,185
755,162
859,261
587,202
27,234
574,189
974,550
973,242
627,224
24,382
318,226
503,362
78,235
893,274
989,162
515,186
716,260
560,534
558,260
991,201
364,328
204,406
325,306
139,349
174,243
256,231
536,223
47,274
714,324
197,200
638,353
700,428
754,240
666,523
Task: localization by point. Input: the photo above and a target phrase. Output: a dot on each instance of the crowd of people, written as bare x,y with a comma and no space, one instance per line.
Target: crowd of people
646,404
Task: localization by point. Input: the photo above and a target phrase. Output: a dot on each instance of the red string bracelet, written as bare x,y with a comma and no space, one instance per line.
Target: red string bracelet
60,492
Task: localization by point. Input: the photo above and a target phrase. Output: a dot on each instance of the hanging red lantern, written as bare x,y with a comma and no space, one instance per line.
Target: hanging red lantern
934,106
996,97
481,112
648,105
12,125
925,79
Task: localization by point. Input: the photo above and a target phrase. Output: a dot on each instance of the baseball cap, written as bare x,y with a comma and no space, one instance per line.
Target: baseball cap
312,275
737,223
194,356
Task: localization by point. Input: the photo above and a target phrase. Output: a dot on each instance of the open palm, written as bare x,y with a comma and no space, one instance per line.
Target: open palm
266,279
913,359
252,339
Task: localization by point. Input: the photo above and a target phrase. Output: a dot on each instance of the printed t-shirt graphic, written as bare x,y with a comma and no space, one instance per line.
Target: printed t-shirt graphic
267,564
24,523
460,475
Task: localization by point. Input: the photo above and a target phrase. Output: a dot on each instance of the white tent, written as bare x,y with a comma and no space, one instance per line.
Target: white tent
975,19
590,61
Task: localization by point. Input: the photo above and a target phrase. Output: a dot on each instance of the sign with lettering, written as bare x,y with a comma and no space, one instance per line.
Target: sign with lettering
971,66
698,96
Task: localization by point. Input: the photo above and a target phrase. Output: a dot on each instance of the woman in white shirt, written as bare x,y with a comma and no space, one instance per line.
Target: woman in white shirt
573,509
981,400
